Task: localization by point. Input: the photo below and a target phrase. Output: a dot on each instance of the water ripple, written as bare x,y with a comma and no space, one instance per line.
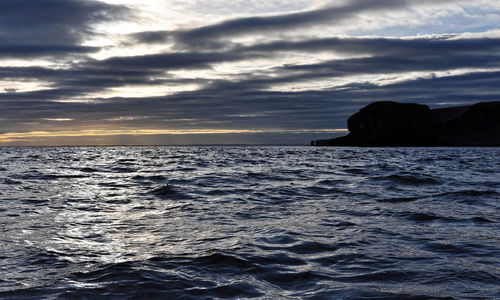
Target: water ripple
249,222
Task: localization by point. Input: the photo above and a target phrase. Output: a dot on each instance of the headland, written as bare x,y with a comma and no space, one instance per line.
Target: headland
393,124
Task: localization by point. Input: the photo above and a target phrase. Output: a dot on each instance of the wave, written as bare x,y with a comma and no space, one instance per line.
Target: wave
36,175
123,170
453,195
249,222
11,182
155,178
409,179
168,192
89,170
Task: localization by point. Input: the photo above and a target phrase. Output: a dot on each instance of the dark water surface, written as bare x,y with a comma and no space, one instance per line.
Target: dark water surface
245,222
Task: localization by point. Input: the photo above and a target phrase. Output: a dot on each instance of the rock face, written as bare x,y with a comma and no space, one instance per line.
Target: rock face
408,124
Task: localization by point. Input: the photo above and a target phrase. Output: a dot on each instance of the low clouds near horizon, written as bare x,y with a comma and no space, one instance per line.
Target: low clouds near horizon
164,72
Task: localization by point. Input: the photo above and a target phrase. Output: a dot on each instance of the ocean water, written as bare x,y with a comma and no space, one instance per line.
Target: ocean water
249,222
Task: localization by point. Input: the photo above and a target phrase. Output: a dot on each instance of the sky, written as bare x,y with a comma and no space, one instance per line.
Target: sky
171,72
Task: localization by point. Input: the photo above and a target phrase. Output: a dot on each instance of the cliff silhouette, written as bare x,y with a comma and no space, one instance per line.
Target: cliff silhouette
388,123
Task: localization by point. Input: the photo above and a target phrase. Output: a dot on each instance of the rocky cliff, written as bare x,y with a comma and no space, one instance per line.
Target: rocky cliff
389,123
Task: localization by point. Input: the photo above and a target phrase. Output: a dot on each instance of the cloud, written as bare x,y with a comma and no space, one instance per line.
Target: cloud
51,27
258,84
207,35
380,56
210,36
436,45
211,108
43,50
240,26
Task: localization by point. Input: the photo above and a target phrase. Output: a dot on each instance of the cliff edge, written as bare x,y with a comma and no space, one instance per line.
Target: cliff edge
388,123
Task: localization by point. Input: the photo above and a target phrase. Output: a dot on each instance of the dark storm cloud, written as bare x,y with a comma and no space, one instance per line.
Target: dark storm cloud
381,46
205,36
286,21
28,51
51,27
245,107
168,61
209,36
386,65
53,21
328,108
386,56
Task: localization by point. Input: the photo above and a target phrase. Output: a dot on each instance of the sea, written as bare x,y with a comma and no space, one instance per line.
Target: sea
242,222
